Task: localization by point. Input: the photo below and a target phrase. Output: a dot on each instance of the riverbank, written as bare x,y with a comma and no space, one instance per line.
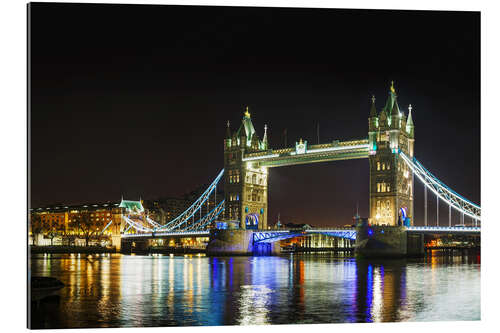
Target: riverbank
70,249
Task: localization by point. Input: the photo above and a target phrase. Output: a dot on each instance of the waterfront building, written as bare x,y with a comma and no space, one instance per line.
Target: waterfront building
56,222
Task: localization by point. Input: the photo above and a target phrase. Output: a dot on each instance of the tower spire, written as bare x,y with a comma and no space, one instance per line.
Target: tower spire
373,109
410,128
228,131
247,114
264,139
392,87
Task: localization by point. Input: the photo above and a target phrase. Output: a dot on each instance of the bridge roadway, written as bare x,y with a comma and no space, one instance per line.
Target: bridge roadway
267,236
337,150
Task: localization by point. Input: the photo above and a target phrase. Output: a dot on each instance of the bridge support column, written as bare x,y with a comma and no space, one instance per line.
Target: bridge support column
230,242
380,242
116,241
238,242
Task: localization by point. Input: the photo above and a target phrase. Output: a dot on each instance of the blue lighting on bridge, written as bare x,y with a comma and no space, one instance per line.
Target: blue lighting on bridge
221,225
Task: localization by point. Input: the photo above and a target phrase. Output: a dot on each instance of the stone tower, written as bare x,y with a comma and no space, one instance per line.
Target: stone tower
391,181
245,185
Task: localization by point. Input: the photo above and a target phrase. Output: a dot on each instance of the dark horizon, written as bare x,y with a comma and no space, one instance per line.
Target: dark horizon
133,100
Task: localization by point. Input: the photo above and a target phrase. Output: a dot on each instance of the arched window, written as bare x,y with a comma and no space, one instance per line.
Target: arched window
383,166
254,179
378,166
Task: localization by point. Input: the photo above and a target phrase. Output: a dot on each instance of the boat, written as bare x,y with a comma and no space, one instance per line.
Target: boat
42,286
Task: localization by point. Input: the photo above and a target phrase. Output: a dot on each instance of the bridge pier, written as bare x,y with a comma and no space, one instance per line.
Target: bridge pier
116,241
134,245
387,242
238,242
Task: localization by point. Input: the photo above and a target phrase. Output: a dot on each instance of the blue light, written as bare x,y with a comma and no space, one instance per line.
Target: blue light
381,231
370,232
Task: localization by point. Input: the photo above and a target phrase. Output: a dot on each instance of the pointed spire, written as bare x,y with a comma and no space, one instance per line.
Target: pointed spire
410,128
373,110
264,139
389,104
228,131
247,114
410,120
392,87
395,107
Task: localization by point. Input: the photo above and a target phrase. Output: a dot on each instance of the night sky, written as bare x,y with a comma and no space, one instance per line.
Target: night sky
134,99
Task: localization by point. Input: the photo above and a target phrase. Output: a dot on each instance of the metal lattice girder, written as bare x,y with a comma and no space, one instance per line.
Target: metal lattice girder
347,234
447,230
152,222
313,156
180,220
136,226
207,219
169,234
441,190
274,236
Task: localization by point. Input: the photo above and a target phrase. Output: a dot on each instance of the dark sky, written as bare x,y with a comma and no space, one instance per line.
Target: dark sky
134,99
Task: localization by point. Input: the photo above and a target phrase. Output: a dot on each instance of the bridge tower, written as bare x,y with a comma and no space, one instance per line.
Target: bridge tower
245,185
391,181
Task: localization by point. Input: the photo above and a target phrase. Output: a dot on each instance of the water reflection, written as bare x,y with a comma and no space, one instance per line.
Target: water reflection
164,290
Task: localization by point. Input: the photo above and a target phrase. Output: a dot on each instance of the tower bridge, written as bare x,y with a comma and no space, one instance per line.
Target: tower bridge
389,229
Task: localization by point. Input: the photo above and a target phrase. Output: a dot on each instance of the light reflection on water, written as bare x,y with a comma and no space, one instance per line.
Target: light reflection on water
130,291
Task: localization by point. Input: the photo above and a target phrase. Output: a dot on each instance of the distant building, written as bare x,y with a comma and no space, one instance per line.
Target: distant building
166,209
62,219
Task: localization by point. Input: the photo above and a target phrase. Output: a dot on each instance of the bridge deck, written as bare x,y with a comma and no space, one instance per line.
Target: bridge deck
314,153
276,235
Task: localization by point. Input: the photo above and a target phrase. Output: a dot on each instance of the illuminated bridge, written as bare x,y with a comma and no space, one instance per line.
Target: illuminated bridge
240,218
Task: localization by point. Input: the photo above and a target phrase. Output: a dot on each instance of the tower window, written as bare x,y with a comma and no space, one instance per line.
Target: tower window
378,166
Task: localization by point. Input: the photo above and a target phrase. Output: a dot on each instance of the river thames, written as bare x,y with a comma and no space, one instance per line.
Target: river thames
114,290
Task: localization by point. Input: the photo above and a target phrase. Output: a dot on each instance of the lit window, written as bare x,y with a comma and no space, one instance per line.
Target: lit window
383,166
378,187
378,165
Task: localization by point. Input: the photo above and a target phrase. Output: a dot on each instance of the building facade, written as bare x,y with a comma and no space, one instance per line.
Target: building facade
63,221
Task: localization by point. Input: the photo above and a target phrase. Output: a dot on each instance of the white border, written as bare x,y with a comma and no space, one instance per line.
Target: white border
13,143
